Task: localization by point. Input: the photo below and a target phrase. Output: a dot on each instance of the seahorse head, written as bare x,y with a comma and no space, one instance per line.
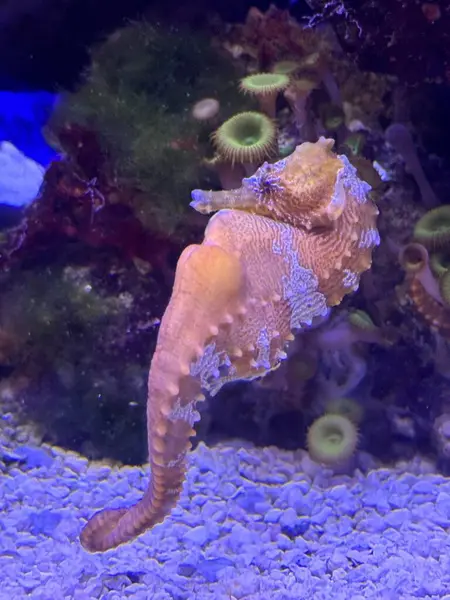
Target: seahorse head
309,188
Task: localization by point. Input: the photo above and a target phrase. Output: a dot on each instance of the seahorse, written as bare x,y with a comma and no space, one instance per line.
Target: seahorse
280,251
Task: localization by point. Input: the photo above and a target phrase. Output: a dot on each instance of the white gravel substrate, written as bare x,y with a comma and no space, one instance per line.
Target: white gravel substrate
251,525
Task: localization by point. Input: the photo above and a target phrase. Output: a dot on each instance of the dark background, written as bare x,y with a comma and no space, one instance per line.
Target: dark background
44,43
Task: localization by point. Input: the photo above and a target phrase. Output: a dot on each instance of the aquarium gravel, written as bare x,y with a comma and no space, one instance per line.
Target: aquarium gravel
251,524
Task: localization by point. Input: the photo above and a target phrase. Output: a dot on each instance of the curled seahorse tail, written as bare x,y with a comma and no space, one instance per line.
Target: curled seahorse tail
95,537
110,528
208,290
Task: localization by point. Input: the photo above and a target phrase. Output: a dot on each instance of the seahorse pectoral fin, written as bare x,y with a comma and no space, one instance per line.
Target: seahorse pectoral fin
208,290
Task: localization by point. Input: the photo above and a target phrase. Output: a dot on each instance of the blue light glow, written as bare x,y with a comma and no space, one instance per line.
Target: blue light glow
22,117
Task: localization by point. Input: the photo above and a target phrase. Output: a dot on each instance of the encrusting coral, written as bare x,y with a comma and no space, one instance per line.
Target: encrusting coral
281,250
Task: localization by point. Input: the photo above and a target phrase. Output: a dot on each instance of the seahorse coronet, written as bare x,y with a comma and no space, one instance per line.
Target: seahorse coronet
277,254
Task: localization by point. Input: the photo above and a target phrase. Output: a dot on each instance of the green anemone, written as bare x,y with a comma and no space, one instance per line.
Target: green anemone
332,439
264,83
433,229
444,287
248,137
265,87
440,262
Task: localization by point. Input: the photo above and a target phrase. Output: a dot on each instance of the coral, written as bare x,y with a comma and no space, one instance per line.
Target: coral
73,209
272,36
398,38
364,97
265,87
433,229
269,265
400,138
246,138
332,439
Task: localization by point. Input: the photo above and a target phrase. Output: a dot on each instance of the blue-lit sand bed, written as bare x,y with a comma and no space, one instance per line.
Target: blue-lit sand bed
251,525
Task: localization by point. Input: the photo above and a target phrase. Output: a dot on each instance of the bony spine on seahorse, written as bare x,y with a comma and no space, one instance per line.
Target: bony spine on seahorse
280,251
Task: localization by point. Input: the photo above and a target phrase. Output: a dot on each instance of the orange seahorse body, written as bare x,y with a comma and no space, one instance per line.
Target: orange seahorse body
280,251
